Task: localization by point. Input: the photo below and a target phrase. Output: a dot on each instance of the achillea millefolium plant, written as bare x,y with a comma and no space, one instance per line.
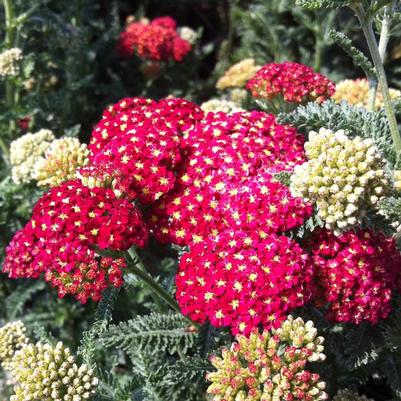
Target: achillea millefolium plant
237,245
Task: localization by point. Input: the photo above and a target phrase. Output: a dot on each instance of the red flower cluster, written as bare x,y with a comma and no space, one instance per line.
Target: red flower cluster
356,274
157,40
67,222
242,281
295,83
259,204
138,144
226,179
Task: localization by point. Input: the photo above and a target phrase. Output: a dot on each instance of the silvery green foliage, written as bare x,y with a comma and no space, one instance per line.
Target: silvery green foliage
311,4
355,120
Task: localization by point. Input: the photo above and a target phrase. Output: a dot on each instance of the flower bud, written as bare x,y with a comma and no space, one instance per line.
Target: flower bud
347,176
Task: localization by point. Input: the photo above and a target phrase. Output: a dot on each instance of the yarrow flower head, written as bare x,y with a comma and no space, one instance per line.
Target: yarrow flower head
344,177
283,84
355,274
349,395
226,177
215,105
259,204
238,74
60,162
10,62
270,366
138,145
12,338
156,40
66,224
242,280
48,373
26,151
356,92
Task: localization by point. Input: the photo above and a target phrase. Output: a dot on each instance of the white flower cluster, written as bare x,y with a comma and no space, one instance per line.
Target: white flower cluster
46,373
10,62
215,105
187,33
60,162
344,177
12,338
24,153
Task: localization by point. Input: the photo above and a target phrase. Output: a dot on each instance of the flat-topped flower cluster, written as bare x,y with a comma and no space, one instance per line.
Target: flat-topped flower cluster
156,40
270,366
210,183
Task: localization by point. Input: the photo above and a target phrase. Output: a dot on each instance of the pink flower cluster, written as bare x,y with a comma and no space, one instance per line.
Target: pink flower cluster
226,179
206,182
356,274
138,144
156,40
261,204
59,240
294,82
243,281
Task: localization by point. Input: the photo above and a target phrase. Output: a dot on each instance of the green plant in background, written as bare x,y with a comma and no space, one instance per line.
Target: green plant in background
366,13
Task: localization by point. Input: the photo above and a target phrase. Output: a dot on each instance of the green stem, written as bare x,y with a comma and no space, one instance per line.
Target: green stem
383,42
4,150
9,43
367,27
319,46
372,94
10,28
138,269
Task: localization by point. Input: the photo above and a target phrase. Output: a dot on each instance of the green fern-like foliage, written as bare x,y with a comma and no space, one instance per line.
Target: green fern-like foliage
358,354
170,382
162,352
355,120
102,318
357,56
312,4
156,332
391,209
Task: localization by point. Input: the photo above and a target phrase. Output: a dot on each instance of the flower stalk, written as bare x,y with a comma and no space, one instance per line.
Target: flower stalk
137,267
9,43
367,27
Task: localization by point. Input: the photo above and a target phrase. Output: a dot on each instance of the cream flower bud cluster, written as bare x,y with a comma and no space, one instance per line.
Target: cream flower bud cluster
397,180
344,177
187,33
10,62
356,92
349,395
60,162
91,177
238,74
24,153
49,373
12,339
269,366
216,105
238,96
301,334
